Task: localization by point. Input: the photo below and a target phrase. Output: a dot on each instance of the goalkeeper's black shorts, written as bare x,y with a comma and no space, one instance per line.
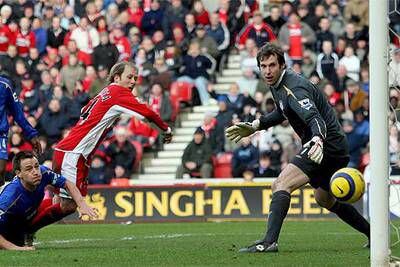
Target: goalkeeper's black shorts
320,174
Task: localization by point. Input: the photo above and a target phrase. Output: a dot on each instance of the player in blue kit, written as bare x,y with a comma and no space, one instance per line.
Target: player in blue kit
10,105
21,198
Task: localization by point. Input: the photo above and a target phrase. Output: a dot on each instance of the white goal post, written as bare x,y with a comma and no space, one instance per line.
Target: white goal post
379,147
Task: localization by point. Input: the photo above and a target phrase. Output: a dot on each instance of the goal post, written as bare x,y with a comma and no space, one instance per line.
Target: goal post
379,145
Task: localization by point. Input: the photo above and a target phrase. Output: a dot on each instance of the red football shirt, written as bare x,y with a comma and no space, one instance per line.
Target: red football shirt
100,114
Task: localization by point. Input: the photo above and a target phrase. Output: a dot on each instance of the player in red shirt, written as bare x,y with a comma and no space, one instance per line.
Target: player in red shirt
72,154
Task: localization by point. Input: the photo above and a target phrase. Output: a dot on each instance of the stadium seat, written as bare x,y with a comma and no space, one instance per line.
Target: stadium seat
223,171
119,182
222,166
183,91
139,155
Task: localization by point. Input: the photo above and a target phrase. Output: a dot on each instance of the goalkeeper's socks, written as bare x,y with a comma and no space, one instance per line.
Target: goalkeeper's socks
47,216
277,212
351,216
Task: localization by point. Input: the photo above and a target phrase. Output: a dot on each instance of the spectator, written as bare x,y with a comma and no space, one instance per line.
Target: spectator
135,13
190,26
121,152
309,63
160,73
234,99
324,34
364,76
105,53
119,39
200,13
98,172
179,38
224,116
260,32
357,95
152,19
248,56
112,13
159,41
244,157
394,69
5,38
71,73
29,95
331,95
275,20
342,78
336,19
207,43
196,157
195,68
358,136
68,17
159,102
25,38
219,32
294,35
5,13
356,11
40,35
79,100
284,133
174,15
99,82
263,167
53,121
173,58
352,63
45,88
55,34
86,38
327,62
248,82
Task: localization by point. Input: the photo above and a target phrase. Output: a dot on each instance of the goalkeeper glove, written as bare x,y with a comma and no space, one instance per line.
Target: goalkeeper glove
241,129
316,147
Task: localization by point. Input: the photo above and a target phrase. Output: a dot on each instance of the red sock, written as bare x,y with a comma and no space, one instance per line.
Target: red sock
47,216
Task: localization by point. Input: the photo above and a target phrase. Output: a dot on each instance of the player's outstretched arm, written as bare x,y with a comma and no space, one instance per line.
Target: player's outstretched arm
7,245
83,208
241,129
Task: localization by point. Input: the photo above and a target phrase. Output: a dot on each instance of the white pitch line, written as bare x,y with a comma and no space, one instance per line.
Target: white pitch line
167,236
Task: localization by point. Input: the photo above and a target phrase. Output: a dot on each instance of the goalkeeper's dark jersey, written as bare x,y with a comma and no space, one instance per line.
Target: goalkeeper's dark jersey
308,112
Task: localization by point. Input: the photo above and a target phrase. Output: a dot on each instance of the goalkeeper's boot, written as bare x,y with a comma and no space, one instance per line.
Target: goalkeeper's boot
260,246
28,239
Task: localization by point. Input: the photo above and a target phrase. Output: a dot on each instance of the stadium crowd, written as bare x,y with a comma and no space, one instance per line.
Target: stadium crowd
58,54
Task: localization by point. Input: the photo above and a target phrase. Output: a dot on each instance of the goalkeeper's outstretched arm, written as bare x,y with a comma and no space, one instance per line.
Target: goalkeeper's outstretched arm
271,119
244,129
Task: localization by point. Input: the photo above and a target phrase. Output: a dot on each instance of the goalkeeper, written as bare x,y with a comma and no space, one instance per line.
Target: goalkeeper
324,151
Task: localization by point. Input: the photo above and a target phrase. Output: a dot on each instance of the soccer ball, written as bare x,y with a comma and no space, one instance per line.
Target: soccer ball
347,185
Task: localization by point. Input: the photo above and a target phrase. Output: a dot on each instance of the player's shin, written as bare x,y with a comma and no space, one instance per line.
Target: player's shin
279,207
352,217
47,216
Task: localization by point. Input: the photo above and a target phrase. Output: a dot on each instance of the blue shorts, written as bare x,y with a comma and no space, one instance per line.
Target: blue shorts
3,147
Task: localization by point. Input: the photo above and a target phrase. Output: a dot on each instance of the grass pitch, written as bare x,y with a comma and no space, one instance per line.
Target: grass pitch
302,243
